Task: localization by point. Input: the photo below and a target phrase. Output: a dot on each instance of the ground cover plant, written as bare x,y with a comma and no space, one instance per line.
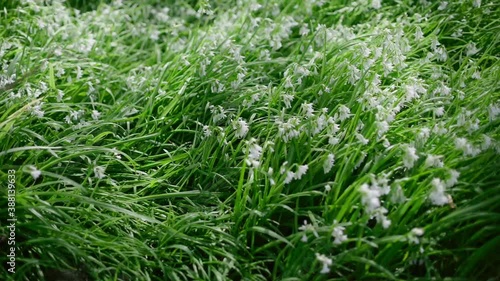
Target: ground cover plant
250,140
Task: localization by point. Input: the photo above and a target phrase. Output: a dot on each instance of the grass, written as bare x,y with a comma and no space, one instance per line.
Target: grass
262,140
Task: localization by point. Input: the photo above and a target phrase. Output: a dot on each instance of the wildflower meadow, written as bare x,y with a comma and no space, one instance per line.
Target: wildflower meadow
249,140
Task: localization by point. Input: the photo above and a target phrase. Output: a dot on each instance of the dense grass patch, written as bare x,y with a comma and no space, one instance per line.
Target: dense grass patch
250,140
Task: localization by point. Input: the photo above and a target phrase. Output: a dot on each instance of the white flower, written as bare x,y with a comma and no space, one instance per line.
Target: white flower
333,140
476,3
287,99
99,172
325,261
362,139
385,222
154,35
376,4
387,65
369,198
439,129
441,54
255,151
398,195
453,178
289,177
288,82
301,170
434,161
443,5
385,142
493,111
457,33
288,130
328,188
283,167
59,71
116,153
379,214
304,30
34,172
241,128
466,147
60,95
423,134
381,183
272,182
218,113
95,114
382,127
328,164
355,74
217,87
365,51
270,172
410,157
307,109
411,93
443,90
414,234
129,111
206,131
419,35
471,49
307,227
413,90
344,112
486,142
418,231
37,110
439,111
438,196
476,75
334,127
79,72
360,126
255,7
254,154
321,123
338,234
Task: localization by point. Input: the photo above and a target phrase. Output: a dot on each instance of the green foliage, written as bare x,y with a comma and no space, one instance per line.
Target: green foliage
250,140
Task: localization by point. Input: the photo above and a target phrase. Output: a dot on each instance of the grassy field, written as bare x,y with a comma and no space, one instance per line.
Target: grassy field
250,140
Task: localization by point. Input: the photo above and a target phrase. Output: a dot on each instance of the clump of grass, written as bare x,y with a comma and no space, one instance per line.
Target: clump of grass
262,140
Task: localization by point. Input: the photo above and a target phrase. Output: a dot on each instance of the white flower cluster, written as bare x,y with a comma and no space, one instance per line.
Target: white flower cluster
370,198
414,235
288,130
297,175
218,113
306,227
466,147
328,163
410,156
254,153
338,234
33,171
325,262
240,127
438,195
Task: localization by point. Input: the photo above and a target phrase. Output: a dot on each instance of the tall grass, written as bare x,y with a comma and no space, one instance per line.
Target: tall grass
251,140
